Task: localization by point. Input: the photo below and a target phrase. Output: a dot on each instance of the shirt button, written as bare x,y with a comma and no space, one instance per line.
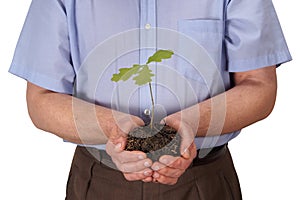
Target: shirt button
147,26
147,112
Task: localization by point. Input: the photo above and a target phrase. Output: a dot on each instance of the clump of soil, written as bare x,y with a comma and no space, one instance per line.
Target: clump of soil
155,142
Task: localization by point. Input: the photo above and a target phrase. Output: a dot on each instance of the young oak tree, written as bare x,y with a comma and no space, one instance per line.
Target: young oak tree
142,74
156,139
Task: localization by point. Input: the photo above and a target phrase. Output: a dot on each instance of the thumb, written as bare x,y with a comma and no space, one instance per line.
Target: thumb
119,143
187,139
163,121
184,148
185,153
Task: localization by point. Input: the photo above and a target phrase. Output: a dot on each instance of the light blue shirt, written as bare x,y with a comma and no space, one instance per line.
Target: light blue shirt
74,47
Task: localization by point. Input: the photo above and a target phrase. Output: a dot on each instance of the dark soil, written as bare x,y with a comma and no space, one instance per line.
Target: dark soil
155,142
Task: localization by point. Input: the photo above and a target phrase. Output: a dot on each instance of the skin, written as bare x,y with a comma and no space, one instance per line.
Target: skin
250,100
71,119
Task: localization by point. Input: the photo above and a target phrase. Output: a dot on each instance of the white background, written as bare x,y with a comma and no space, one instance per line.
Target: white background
34,164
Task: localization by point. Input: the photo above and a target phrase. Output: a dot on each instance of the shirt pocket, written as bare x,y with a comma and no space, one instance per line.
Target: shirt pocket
207,34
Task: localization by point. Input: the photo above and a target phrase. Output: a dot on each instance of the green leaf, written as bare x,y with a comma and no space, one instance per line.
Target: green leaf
159,55
125,73
144,76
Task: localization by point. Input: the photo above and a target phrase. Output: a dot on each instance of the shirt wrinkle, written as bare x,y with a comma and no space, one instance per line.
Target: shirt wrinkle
246,35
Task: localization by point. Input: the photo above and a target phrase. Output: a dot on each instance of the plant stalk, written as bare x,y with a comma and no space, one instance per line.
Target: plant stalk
152,109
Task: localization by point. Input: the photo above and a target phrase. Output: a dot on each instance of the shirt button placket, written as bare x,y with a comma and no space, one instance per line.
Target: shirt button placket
147,48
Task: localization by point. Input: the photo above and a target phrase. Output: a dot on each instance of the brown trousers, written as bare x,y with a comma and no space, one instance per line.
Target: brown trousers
214,179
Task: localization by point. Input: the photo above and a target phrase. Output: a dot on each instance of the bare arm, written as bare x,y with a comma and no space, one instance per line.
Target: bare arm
250,100
84,123
75,120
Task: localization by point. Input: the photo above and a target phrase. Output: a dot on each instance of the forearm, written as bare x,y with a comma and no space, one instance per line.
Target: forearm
240,106
250,100
70,118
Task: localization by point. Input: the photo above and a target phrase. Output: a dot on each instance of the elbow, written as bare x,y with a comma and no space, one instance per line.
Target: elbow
267,110
34,118
33,112
34,103
268,100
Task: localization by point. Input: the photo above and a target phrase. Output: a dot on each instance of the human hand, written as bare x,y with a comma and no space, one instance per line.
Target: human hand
117,124
186,123
133,164
169,168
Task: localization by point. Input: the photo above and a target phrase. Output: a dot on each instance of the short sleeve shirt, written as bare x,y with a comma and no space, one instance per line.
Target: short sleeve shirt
73,47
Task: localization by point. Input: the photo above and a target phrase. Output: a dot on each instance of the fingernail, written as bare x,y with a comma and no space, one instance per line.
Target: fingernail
146,173
164,161
163,121
186,154
147,164
118,146
140,157
155,168
185,150
156,175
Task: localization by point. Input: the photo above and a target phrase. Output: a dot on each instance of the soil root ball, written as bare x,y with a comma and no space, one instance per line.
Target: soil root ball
155,142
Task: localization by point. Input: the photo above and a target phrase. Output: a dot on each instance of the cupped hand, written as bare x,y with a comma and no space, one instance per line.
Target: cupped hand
133,164
117,124
186,123
169,168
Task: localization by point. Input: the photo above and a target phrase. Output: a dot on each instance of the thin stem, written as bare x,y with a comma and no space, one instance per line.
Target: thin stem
152,110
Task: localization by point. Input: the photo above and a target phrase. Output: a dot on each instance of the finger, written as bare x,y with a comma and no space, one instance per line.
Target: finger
187,139
120,142
115,133
144,175
131,167
117,152
176,162
128,122
130,156
138,122
113,149
173,162
148,180
164,180
175,171
193,150
190,152
163,121
171,172
187,133
157,166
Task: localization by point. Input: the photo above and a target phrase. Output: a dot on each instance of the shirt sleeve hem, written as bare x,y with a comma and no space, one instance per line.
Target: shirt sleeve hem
42,80
259,62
